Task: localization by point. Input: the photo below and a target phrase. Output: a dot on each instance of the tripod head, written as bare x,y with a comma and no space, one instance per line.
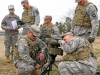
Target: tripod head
53,46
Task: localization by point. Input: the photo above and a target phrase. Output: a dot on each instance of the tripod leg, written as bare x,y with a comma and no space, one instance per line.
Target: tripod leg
55,65
46,70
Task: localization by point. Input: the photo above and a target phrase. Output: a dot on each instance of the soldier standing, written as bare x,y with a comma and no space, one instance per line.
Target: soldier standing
30,16
85,21
26,50
11,32
78,59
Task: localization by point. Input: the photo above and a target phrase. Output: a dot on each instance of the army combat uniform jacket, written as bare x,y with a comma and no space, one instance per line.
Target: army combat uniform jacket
7,22
49,31
30,17
78,59
85,22
25,54
26,50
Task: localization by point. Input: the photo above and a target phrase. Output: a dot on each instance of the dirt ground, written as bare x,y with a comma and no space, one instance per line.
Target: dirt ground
9,69
2,47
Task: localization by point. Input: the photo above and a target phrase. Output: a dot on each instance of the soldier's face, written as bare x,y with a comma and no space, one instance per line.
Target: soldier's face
26,5
67,38
46,21
31,36
11,13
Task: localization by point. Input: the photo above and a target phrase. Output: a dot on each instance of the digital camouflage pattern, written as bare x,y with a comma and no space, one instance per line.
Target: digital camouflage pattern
29,17
81,53
50,32
25,52
91,12
11,35
77,67
80,19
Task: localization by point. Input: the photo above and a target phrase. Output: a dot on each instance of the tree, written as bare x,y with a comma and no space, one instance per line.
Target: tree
65,24
61,26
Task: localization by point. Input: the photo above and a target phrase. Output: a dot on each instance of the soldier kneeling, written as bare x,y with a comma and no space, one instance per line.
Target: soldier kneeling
78,59
26,51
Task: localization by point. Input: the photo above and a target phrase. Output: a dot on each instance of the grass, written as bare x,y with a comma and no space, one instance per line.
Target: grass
9,69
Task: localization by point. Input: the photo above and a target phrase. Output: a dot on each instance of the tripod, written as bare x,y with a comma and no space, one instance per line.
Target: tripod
48,68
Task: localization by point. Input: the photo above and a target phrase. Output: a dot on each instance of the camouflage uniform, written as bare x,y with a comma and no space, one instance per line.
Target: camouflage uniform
83,64
90,12
25,64
29,17
25,53
11,35
50,32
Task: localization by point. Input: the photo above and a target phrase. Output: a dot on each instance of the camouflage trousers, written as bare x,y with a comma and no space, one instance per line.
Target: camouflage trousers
26,69
26,28
9,42
77,68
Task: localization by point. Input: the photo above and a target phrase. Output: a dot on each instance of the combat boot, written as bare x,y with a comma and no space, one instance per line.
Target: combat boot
8,59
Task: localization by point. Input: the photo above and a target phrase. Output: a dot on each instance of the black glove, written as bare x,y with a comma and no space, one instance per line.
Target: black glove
20,22
91,39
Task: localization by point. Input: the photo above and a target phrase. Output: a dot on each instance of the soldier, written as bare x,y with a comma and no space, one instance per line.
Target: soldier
85,21
26,50
78,60
11,31
49,31
30,16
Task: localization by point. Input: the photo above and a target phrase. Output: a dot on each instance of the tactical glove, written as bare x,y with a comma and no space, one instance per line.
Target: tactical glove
91,39
37,66
60,41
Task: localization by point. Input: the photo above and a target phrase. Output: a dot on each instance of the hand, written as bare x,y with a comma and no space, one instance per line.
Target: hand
37,66
16,28
5,28
60,41
91,39
41,57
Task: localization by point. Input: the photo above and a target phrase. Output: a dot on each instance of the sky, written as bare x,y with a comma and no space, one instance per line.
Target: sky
56,8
